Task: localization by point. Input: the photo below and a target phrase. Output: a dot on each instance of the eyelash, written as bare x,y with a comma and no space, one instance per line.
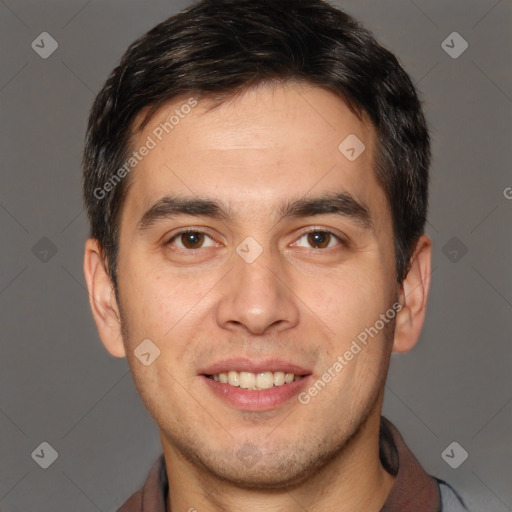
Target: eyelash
308,231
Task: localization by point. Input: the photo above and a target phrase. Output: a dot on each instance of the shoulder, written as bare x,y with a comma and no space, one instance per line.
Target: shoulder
450,500
133,504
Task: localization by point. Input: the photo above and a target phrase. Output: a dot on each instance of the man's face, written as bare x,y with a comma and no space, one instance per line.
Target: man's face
284,299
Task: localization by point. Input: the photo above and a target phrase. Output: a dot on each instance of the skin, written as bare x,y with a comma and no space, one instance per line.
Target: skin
295,302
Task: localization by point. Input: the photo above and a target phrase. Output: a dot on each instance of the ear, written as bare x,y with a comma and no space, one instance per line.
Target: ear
413,297
102,299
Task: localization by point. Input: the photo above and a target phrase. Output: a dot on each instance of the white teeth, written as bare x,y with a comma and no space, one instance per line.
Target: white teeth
264,380
278,378
247,380
255,381
233,378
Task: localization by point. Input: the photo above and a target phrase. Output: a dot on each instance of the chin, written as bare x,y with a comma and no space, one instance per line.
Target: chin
250,469
277,476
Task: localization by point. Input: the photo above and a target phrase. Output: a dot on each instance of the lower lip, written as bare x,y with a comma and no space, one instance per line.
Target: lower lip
263,400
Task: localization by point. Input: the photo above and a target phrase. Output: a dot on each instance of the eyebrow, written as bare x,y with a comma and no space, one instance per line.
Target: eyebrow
341,203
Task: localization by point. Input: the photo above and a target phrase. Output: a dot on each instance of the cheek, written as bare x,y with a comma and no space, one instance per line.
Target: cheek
163,310
346,301
157,304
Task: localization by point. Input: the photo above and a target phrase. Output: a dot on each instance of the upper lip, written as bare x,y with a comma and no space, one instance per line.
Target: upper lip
248,365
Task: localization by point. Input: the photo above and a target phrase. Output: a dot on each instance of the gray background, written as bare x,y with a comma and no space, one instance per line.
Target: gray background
57,382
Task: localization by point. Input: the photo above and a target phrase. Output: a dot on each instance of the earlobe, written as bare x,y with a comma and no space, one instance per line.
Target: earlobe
414,297
102,300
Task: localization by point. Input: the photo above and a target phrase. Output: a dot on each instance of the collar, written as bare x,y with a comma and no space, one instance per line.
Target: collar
413,488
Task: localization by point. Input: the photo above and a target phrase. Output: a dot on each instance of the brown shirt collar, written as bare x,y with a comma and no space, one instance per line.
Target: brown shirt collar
413,490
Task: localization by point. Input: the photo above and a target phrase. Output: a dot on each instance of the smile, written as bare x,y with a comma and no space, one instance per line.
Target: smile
255,381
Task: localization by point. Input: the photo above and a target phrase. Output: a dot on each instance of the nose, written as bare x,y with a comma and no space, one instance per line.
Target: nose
258,297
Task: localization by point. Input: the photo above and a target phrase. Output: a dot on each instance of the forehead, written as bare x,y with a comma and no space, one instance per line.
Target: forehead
256,149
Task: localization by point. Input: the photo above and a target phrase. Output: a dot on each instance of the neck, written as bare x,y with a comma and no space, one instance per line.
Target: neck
353,480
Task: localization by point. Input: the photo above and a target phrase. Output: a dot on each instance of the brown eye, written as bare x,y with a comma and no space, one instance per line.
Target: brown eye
190,240
318,239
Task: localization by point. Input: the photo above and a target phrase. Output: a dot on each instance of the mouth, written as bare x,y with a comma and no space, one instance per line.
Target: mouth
255,381
252,386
